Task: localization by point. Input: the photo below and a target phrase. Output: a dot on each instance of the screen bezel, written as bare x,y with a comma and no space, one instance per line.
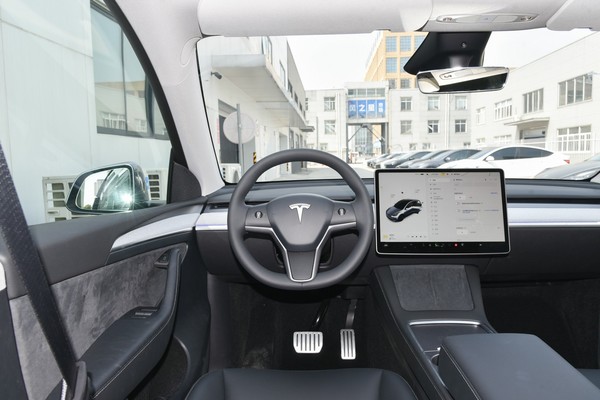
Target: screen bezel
440,248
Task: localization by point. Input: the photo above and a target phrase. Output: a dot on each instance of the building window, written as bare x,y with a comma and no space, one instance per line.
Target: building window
466,145
405,127
391,44
403,61
460,126
433,126
533,101
114,121
503,139
329,103
267,48
412,146
405,42
433,103
575,90
480,141
418,41
460,102
405,103
404,83
391,65
426,146
282,74
121,87
575,139
503,109
392,83
480,116
323,146
290,87
306,103
329,127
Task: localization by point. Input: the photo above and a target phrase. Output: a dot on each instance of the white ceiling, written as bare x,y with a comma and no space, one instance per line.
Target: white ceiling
293,17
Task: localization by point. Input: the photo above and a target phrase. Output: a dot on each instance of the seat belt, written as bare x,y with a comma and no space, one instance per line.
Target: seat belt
27,262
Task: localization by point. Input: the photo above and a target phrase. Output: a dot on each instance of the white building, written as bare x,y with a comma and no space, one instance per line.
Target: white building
259,77
76,90
372,119
428,122
545,104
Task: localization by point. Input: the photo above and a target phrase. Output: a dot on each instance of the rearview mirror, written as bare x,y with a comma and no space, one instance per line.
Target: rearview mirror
462,79
109,189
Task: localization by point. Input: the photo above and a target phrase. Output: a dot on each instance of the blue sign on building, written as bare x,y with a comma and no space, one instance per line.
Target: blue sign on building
352,109
380,108
371,108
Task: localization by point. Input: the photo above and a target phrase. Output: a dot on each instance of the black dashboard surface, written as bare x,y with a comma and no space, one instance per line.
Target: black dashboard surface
554,226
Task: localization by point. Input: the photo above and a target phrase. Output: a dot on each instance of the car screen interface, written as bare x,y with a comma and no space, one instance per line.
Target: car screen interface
441,212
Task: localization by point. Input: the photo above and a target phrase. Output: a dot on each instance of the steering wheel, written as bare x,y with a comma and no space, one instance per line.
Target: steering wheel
300,224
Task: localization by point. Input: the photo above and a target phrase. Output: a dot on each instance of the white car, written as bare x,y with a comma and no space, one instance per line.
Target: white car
516,161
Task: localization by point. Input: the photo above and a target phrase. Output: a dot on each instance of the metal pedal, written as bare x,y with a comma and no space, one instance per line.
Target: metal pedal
348,344
308,342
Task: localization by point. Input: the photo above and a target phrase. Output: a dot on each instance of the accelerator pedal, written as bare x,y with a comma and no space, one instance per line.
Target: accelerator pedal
308,342
348,344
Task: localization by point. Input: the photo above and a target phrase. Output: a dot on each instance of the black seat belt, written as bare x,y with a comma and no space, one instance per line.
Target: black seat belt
26,259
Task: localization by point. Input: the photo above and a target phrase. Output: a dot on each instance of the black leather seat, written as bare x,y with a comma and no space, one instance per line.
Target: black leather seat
338,384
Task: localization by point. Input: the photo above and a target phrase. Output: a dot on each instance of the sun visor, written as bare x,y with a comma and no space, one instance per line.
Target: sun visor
310,17
576,14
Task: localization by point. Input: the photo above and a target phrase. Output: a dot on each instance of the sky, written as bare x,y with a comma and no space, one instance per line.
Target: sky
331,61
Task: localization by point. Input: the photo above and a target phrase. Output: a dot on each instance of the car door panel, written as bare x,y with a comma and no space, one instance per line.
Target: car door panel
118,302
11,384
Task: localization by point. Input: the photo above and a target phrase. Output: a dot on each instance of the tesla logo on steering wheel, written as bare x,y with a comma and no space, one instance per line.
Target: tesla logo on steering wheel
299,207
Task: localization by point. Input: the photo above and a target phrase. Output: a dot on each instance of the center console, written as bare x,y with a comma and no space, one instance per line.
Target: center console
433,314
421,306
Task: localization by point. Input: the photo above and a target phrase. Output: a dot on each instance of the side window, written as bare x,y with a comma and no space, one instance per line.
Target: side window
526,152
457,155
93,106
509,153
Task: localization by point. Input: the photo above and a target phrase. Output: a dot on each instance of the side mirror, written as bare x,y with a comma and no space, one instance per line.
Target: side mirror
460,80
110,189
489,158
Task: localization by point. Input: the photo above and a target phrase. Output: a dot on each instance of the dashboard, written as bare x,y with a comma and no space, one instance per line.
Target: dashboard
553,229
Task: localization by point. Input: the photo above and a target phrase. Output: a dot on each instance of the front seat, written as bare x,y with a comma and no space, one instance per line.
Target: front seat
336,384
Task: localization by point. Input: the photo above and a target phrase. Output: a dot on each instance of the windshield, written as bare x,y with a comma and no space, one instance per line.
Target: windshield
350,96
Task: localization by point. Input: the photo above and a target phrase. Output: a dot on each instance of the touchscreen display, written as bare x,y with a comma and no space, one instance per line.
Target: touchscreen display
441,211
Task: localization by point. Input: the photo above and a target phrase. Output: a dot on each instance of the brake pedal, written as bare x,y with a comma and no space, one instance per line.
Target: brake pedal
348,343
308,342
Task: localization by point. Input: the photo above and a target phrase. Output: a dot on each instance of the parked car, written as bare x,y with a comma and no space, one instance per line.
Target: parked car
246,257
516,161
410,163
583,171
374,161
394,162
445,157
